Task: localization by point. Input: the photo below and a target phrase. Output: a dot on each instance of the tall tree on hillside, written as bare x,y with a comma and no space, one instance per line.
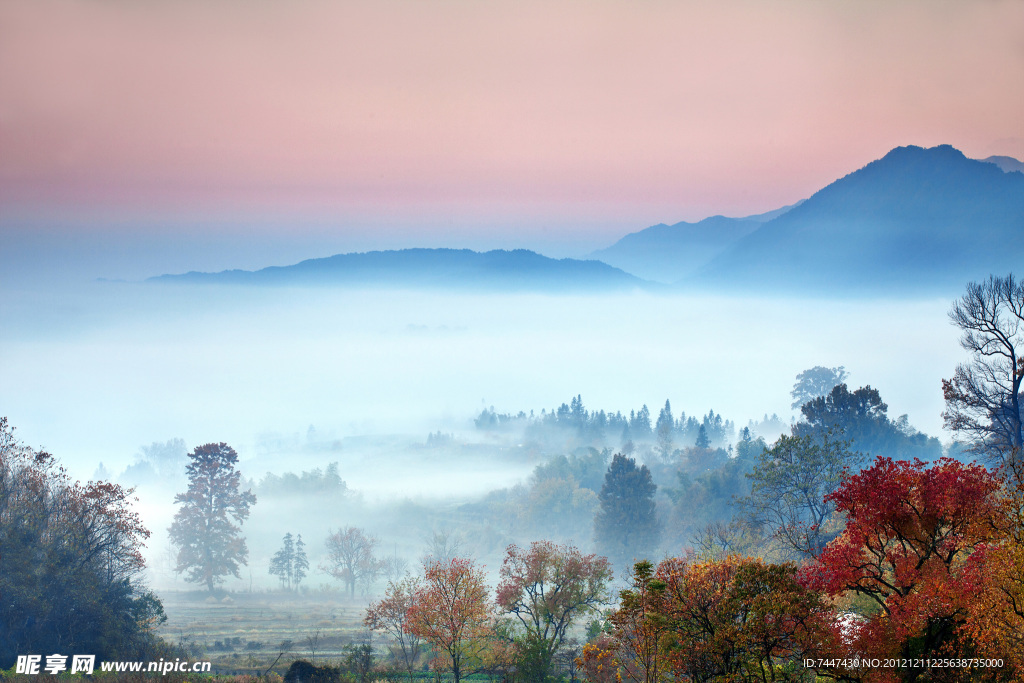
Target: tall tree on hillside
350,557
983,399
861,417
860,414
703,442
70,563
207,526
640,422
626,527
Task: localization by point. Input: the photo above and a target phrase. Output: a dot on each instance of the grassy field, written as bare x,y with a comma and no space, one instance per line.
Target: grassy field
245,632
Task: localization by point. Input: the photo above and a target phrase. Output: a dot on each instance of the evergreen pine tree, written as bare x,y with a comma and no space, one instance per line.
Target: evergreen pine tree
663,430
626,440
626,527
703,442
282,565
640,423
300,567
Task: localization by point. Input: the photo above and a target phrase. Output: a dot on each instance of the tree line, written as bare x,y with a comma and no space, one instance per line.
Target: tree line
601,426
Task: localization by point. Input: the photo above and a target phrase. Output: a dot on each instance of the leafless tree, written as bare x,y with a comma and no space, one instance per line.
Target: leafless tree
983,399
443,546
720,539
394,567
312,643
350,557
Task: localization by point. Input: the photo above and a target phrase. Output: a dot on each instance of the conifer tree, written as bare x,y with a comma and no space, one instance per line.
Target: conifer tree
663,429
626,527
703,441
282,565
300,566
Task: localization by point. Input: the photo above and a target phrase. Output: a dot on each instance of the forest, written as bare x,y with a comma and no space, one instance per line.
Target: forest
846,545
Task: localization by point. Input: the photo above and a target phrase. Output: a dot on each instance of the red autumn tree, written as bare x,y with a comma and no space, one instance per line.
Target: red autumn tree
452,612
547,588
910,545
391,615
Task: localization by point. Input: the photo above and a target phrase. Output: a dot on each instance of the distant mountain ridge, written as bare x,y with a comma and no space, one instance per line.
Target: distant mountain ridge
519,269
1008,164
924,220
915,219
669,253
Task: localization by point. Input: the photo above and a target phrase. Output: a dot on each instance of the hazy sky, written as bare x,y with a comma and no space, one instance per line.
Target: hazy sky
364,124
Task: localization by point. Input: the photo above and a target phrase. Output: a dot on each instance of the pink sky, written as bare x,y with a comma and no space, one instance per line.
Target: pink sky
573,116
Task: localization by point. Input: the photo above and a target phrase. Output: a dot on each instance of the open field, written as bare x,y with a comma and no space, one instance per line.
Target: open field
247,631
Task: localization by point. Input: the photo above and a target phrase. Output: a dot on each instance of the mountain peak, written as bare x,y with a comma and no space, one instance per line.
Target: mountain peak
932,153
914,218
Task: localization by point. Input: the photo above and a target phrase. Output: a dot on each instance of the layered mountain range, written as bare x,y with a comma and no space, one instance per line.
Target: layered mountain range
916,220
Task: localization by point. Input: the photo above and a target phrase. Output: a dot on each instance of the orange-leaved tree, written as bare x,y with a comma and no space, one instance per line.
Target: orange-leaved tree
911,546
599,662
631,650
452,612
737,619
391,615
995,618
547,588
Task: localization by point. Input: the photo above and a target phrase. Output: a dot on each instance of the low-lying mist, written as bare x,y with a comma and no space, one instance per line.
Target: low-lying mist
297,379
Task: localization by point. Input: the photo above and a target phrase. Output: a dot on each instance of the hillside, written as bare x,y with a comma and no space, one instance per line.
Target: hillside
669,253
431,268
915,220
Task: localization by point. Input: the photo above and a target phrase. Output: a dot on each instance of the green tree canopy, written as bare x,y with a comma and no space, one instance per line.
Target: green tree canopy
789,485
861,417
815,382
626,527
